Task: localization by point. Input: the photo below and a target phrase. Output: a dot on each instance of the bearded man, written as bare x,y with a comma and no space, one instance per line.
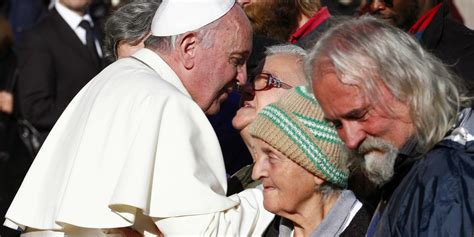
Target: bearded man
401,110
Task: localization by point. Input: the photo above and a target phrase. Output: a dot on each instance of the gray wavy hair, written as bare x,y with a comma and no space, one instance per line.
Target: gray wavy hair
367,50
281,49
129,23
286,49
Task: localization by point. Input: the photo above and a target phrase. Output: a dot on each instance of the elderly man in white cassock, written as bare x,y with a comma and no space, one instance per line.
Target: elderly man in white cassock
135,149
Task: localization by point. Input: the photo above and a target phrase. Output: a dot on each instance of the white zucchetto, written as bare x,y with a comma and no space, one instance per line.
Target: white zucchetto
175,17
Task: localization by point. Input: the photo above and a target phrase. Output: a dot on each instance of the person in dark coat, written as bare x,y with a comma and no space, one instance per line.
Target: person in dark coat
298,22
56,59
7,62
14,156
438,26
405,117
24,14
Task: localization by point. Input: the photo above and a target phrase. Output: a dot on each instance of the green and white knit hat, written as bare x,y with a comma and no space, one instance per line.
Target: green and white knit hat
295,126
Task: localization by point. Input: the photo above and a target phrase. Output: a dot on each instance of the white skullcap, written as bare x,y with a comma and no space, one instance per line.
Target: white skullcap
175,17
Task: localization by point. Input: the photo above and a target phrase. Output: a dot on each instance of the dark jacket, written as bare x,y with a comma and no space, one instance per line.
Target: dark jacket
436,196
53,66
311,38
453,43
14,158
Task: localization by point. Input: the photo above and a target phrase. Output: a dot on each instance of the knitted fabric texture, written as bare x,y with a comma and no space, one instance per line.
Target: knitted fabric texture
295,126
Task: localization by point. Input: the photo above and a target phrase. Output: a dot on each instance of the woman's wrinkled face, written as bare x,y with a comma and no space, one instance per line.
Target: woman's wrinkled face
288,187
286,67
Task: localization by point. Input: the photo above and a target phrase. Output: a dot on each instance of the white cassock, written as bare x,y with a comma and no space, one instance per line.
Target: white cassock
133,149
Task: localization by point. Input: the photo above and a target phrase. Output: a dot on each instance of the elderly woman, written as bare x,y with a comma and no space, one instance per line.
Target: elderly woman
303,167
280,70
128,27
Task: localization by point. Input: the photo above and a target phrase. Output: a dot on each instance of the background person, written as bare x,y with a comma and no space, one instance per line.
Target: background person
298,22
127,28
438,26
55,60
8,138
465,9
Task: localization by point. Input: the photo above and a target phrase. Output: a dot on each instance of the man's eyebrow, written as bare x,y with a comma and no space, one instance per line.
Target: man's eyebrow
244,53
355,113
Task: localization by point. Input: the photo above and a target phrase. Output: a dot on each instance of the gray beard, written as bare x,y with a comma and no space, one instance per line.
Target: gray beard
376,158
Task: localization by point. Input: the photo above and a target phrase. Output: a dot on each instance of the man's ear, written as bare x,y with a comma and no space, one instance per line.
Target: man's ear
187,46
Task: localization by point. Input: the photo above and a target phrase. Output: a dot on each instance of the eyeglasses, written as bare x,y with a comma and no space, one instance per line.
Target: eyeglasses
261,82
266,81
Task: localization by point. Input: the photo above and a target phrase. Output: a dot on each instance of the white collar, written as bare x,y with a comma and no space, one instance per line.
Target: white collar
154,61
72,18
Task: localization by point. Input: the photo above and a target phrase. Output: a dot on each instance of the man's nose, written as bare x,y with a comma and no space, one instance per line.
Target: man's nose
241,76
377,5
352,135
243,2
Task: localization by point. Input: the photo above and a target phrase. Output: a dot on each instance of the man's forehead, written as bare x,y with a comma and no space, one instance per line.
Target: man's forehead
242,45
328,78
336,97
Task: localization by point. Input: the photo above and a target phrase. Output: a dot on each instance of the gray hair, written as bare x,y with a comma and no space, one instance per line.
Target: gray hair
364,51
129,23
206,35
281,49
286,49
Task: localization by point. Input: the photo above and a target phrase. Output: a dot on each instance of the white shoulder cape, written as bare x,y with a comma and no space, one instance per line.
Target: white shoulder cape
131,142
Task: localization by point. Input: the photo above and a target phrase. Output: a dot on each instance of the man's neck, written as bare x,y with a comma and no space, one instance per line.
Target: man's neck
79,12
311,213
302,19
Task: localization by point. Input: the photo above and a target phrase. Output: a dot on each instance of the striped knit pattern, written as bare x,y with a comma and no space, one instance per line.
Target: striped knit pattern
295,127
